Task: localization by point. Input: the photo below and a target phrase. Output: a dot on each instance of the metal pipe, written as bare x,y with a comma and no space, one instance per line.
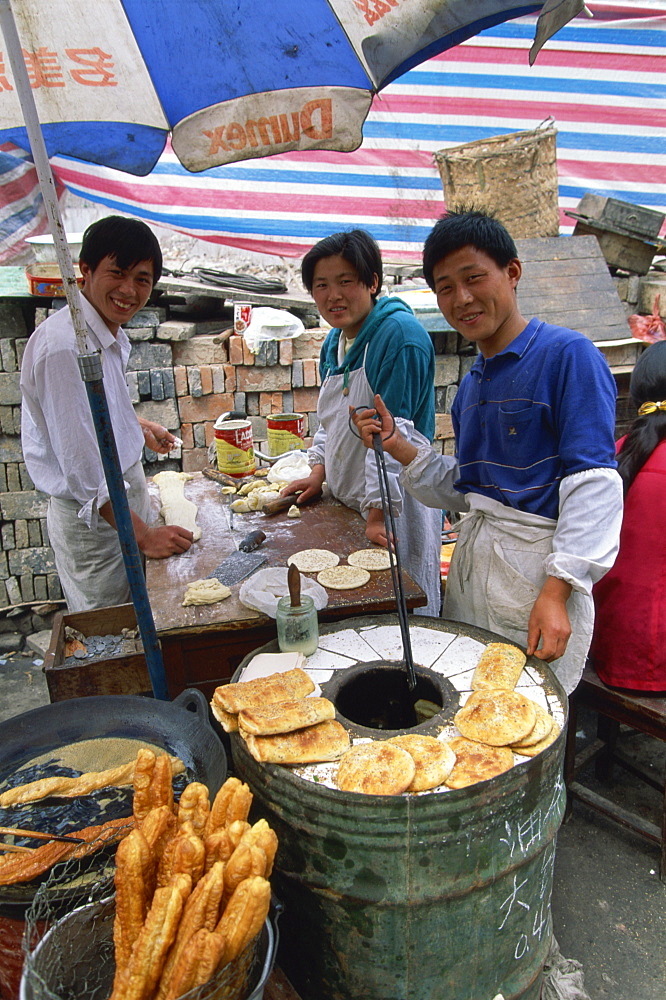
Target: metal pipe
396,569
92,377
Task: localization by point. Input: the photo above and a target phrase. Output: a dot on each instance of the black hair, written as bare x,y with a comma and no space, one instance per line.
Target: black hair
357,247
648,384
128,241
462,227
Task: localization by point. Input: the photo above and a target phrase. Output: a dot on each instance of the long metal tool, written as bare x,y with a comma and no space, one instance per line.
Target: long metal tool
394,557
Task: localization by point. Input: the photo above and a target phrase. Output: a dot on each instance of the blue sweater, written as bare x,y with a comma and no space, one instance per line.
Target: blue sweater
400,363
540,410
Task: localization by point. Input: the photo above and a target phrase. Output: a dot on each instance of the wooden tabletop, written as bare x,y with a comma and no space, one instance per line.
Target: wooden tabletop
324,524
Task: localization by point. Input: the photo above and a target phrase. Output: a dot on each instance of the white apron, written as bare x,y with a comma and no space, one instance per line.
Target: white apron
419,528
89,563
497,573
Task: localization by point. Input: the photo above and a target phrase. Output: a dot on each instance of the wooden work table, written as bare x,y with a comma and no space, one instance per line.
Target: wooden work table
202,646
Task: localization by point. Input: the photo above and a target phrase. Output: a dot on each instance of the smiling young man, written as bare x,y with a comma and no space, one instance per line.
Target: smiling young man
376,345
120,262
535,457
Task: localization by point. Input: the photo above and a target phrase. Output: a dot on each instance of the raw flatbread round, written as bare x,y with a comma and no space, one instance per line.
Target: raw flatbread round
372,559
208,591
378,768
343,577
476,762
496,716
542,727
434,759
313,560
538,747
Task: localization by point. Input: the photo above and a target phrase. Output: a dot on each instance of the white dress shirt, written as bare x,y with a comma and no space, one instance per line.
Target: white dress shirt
57,433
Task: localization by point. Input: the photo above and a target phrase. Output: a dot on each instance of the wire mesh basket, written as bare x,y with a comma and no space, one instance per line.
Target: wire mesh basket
72,956
513,175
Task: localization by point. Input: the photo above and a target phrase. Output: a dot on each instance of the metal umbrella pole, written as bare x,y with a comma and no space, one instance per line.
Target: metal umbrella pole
89,364
393,549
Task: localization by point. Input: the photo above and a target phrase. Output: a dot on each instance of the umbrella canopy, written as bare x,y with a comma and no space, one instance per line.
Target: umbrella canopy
229,79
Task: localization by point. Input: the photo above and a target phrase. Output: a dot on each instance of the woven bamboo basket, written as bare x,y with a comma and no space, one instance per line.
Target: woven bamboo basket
513,175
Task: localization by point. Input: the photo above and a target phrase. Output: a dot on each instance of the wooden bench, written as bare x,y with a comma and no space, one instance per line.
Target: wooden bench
615,707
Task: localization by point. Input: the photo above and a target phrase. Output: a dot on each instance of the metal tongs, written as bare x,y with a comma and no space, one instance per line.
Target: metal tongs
393,550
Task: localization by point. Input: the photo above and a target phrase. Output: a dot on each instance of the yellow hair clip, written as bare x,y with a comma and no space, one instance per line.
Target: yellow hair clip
650,407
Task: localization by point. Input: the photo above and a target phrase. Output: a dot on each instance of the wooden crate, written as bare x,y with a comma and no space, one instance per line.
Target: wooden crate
124,674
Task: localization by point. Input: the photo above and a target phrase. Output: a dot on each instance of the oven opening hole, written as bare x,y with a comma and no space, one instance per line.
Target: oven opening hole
380,698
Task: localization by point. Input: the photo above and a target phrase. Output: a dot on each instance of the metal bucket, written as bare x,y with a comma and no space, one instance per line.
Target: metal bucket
436,896
234,447
75,960
285,433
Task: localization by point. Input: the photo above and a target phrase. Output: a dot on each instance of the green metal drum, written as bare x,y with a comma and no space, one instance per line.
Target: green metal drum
438,896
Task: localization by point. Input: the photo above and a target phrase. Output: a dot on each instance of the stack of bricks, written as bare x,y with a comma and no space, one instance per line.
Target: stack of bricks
27,568
183,375
214,377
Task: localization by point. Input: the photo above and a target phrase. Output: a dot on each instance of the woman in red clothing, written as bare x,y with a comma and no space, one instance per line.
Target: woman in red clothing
629,644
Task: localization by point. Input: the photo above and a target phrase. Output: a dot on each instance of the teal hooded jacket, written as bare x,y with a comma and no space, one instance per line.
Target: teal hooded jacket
399,365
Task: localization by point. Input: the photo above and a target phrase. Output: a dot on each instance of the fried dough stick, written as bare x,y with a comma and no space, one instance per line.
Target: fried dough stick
263,836
232,802
247,860
197,964
24,867
184,853
152,782
202,911
69,788
194,807
137,981
218,847
134,880
158,827
243,916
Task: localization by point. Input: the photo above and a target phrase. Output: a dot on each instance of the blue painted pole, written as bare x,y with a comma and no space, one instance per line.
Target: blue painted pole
91,372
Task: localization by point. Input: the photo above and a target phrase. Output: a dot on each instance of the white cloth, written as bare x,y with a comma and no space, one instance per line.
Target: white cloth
89,562
503,555
497,572
57,433
351,474
587,534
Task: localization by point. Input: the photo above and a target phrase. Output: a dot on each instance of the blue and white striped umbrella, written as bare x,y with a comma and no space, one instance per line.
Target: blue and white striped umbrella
228,80
603,81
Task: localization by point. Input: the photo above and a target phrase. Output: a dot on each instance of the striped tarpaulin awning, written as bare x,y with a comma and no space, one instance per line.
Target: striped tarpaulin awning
603,81
22,212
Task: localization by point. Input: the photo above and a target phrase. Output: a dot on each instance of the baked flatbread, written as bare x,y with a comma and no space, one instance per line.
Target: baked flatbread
476,762
287,686
285,716
313,560
228,720
325,741
434,759
343,577
542,727
377,768
500,666
536,748
372,559
497,717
